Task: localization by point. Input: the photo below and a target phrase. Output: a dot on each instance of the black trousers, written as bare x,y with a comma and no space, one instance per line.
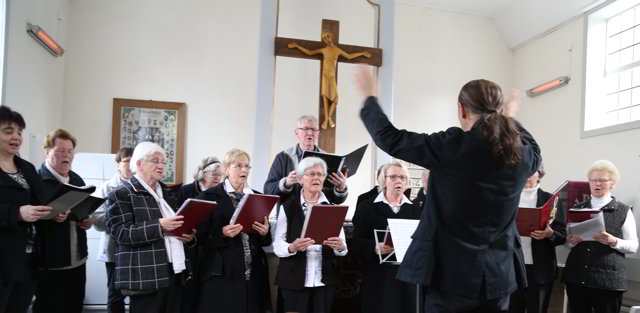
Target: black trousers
60,290
436,302
534,299
16,296
166,300
115,299
308,299
585,299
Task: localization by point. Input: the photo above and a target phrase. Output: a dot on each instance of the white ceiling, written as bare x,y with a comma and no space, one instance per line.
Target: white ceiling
517,20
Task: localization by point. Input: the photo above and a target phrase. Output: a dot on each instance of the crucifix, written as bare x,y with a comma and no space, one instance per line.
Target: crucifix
329,51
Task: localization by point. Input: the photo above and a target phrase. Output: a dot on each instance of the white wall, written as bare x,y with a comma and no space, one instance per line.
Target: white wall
203,53
436,54
34,78
554,118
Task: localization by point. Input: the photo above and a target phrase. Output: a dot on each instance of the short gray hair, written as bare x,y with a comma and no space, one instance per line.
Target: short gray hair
141,152
605,165
380,175
306,118
310,162
386,167
207,164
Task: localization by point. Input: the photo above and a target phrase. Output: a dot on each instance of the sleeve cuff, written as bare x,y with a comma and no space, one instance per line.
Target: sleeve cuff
282,187
340,194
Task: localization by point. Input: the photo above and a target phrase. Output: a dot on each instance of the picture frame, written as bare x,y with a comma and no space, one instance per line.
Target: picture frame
161,122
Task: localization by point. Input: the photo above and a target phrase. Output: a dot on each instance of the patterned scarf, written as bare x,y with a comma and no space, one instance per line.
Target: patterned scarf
235,199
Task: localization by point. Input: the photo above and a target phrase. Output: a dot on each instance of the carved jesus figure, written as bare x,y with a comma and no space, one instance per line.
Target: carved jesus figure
329,89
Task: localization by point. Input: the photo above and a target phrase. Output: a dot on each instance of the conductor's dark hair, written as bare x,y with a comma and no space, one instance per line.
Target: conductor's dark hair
484,98
8,116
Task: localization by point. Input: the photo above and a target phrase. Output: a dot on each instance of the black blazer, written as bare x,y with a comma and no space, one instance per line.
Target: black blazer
222,265
545,265
466,243
188,191
13,232
362,203
55,237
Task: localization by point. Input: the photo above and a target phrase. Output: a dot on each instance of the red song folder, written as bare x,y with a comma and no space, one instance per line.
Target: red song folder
532,219
324,221
194,212
581,215
253,208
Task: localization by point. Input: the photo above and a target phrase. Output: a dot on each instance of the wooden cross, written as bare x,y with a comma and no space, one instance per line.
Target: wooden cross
283,47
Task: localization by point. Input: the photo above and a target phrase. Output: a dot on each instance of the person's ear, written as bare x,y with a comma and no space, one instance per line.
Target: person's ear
462,111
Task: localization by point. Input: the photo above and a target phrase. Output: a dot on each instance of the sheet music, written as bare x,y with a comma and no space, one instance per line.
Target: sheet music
587,229
401,232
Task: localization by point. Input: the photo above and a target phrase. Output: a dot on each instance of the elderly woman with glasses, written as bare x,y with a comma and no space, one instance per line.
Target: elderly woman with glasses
595,269
150,265
381,291
208,174
307,273
233,270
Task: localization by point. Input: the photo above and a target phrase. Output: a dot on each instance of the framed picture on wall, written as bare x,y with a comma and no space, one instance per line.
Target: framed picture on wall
136,121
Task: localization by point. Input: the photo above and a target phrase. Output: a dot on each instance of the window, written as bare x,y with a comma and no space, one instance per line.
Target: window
612,69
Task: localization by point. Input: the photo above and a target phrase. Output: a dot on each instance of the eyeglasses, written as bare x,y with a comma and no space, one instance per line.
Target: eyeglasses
394,177
156,162
214,175
314,174
241,166
599,180
308,129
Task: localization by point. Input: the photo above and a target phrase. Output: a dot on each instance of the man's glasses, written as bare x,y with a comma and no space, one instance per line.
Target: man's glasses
308,129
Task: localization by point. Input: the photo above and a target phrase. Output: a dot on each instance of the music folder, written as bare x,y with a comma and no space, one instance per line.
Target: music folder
86,208
194,211
64,197
581,215
529,220
253,208
323,221
384,235
341,163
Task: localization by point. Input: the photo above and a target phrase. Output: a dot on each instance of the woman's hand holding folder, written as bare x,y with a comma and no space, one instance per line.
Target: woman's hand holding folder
383,249
300,244
263,228
231,230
